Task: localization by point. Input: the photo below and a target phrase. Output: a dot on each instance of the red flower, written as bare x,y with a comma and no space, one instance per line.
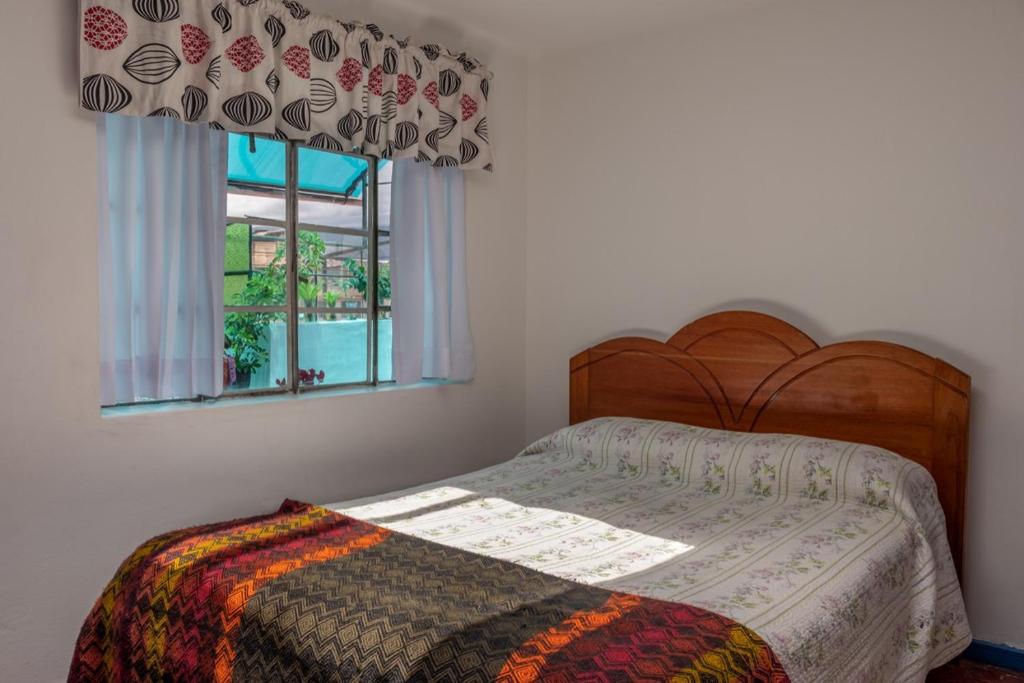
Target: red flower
246,53
350,73
406,88
104,29
309,377
194,43
306,378
297,60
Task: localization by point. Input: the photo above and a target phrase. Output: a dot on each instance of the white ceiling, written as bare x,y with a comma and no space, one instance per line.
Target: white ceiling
539,26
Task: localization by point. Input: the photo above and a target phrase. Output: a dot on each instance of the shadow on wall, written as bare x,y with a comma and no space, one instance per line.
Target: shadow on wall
954,356
414,23
964,361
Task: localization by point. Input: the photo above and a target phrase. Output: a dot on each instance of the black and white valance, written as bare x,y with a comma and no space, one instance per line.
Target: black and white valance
269,66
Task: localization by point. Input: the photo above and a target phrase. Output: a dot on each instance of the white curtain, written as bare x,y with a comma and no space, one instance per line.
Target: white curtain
163,194
428,253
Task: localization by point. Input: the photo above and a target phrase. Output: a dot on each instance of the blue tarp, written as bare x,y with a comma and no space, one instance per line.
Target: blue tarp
318,170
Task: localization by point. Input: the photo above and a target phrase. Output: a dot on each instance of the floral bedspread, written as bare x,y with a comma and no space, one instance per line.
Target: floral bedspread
834,553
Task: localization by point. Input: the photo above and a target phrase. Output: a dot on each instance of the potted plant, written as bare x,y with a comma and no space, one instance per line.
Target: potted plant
245,333
331,300
309,293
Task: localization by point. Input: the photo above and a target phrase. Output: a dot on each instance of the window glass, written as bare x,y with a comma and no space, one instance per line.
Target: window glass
339,334
256,160
255,266
341,316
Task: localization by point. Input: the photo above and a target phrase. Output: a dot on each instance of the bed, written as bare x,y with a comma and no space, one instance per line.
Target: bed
726,505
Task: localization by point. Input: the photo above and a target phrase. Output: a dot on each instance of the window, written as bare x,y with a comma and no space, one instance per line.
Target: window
307,280
233,265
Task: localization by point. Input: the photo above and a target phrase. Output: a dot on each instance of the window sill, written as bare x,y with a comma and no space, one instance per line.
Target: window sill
241,401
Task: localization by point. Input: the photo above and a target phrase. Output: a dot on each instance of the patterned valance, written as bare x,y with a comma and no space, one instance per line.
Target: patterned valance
269,66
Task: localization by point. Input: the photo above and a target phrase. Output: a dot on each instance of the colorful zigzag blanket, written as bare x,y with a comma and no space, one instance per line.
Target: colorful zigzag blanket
306,594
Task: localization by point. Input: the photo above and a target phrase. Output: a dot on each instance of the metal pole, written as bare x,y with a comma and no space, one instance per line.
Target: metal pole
370,202
292,246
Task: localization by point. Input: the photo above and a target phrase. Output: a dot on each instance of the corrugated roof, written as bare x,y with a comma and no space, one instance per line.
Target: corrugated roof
319,171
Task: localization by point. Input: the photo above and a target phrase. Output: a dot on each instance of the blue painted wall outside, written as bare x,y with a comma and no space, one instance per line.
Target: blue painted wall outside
338,347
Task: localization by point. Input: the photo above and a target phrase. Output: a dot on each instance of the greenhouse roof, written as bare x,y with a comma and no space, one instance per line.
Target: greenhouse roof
319,171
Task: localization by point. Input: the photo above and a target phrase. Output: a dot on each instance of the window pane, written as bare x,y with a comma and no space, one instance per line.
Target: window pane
332,267
265,166
246,204
384,343
255,265
384,194
236,249
384,233
330,172
333,189
233,286
332,270
335,344
255,260
237,260
255,253
257,344
384,371
331,211
383,269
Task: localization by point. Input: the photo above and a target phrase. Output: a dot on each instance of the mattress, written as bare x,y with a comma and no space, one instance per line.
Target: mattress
834,553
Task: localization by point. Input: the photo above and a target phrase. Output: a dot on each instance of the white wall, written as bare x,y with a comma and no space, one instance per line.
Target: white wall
854,166
77,491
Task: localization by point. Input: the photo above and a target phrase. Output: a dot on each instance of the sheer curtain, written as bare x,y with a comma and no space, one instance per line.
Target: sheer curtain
429,303
163,194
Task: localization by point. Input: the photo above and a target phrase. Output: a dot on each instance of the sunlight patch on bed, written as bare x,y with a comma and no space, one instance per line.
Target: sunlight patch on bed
558,542
411,505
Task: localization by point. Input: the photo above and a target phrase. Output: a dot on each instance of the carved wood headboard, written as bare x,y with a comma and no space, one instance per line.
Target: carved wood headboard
751,372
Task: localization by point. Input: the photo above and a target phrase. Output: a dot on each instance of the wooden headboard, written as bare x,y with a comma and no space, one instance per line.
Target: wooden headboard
751,372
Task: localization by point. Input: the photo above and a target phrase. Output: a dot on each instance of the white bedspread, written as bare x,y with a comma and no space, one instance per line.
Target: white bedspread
835,553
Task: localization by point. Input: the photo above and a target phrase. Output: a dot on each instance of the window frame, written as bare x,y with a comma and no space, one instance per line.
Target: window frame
292,307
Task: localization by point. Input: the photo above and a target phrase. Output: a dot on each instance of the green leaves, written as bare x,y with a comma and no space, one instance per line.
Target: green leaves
358,279
309,292
311,250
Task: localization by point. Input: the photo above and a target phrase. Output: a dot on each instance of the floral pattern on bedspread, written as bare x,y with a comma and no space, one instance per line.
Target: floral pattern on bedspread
835,553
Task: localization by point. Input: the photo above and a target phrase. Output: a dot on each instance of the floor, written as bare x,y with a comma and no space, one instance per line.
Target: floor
972,672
